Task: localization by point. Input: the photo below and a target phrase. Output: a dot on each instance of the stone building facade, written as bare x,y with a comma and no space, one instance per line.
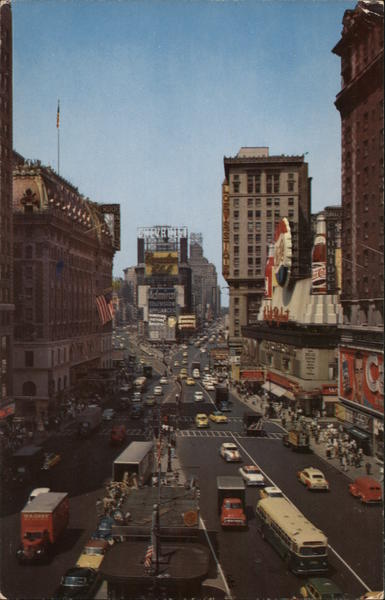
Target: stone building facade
257,192
360,103
64,246
6,229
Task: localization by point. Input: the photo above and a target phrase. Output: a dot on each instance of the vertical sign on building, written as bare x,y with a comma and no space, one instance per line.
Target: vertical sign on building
225,231
318,283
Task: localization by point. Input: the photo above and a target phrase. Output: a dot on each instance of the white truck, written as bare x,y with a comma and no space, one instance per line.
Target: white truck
137,459
89,420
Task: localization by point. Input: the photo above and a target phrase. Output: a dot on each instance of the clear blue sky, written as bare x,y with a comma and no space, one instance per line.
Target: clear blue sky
153,95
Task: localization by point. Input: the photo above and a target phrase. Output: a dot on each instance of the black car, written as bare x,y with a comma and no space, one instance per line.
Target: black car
78,582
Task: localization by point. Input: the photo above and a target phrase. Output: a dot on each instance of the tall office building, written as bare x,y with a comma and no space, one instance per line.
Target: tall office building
361,105
6,228
205,289
257,192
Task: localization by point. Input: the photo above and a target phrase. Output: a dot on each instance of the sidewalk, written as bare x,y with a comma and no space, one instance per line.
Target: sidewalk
352,472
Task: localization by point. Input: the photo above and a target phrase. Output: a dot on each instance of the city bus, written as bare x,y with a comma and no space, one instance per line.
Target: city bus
300,544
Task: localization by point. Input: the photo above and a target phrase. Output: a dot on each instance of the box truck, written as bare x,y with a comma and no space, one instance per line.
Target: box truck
231,501
137,459
42,522
89,420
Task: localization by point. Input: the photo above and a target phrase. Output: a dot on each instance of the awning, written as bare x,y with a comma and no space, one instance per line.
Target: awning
266,386
281,391
360,434
277,390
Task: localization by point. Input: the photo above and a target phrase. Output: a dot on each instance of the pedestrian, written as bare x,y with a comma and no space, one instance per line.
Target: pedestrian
344,463
368,468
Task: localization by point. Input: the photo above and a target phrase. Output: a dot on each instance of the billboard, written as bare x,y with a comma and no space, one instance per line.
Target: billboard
161,263
225,231
362,378
187,322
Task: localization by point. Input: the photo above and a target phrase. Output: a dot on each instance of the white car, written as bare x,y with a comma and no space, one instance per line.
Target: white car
163,380
158,390
271,492
137,397
198,396
230,452
210,387
251,475
196,374
108,414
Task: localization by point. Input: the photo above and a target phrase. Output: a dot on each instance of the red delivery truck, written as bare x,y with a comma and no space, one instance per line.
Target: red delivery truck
42,522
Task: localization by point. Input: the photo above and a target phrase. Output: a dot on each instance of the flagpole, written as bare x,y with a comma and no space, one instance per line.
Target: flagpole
58,136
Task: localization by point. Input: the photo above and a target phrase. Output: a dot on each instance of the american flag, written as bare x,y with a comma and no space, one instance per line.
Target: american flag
105,308
148,557
58,115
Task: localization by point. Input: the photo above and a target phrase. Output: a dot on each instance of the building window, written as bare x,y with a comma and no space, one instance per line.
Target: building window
269,227
236,272
290,186
291,214
236,226
28,358
250,272
236,300
277,201
236,262
250,226
268,213
258,227
257,202
236,214
258,249
291,201
249,249
236,249
277,214
249,202
258,214
236,202
250,260
236,188
269,201
257,237
249,214
236,239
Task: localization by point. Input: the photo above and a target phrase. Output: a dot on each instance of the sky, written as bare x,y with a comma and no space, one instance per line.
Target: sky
153,94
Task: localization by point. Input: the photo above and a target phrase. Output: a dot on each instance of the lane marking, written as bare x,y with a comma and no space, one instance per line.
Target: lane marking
229,596
288,499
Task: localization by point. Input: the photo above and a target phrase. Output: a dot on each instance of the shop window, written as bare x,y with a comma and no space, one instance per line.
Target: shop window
29,388
28,357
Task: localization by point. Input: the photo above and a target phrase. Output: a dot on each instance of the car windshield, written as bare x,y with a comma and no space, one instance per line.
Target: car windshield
232,505
74,581
92,550
312,551
33,535
317,476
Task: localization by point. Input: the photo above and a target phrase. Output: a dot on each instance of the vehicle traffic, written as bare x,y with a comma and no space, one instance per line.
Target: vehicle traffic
252,475
313,479
229,451
231,501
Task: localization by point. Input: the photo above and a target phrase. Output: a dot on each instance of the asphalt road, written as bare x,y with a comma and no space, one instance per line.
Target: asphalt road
251,566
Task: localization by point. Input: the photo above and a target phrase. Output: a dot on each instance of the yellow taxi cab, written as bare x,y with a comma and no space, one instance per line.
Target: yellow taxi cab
93,554
190,381
183,374
218,417
50,460
201,420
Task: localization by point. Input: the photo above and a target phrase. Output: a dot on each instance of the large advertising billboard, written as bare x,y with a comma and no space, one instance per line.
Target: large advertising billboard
161,263
362,378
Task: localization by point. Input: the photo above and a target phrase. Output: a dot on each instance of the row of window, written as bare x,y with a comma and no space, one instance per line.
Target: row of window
260,201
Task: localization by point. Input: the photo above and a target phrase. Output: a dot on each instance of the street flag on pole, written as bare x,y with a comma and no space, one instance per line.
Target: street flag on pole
148,557
58,115
105,308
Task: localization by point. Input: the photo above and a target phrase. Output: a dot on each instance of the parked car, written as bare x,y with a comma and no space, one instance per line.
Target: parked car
320,588
367,489
229,451
50,460
104,529
158,390
163,380
252,475
190,381
198,396
201,420
78,582
218,417
313,479
92,554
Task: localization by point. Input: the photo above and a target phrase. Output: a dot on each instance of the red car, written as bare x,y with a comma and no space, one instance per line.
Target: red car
118,434
367,489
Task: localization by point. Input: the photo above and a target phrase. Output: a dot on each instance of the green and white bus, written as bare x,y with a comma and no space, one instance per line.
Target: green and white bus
302,546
